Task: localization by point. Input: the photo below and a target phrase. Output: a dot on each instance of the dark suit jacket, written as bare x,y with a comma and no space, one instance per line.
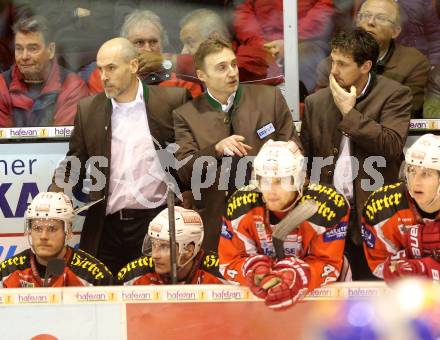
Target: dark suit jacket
200,124
92,137
377,126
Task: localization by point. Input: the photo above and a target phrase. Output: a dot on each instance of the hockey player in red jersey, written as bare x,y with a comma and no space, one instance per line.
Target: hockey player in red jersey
48,226
401,221
155,267
313,250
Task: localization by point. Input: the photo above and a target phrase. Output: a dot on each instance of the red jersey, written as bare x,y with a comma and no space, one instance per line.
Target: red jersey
387,216
82,269
319,241
141,272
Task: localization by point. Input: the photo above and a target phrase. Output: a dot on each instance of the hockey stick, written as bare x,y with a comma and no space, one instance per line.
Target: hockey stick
292,221
172,230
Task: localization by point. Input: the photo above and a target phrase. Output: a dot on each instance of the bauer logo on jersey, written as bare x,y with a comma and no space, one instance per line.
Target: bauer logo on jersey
265,130
368,237
225,232
337,233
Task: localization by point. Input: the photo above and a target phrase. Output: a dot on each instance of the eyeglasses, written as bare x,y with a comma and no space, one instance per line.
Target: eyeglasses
49,229
378,18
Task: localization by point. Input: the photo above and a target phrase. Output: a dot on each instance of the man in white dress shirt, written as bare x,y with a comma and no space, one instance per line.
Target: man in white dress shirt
126,125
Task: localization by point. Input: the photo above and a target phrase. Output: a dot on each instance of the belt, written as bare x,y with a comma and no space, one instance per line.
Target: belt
132,214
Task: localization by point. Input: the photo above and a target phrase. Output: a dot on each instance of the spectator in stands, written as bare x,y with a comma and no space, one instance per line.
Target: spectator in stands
360,115
420,27
155,266
201,24
48,227
37,91
260,23
145,31
125,130
381,18
431,106
78,27
226,123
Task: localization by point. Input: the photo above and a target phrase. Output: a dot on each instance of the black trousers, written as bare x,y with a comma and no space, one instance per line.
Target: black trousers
355,253
123,235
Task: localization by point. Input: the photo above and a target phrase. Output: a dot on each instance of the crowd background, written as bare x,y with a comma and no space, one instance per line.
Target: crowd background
255,26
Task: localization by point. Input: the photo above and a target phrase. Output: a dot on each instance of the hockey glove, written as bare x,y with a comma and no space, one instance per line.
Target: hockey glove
289,282
426,267
424,239
255,268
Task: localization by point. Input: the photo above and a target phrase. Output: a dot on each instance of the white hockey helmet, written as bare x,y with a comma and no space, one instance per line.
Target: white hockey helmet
425,152
280,159
189,229
50,205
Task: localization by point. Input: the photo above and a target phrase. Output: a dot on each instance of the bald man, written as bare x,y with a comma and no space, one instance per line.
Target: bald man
128,125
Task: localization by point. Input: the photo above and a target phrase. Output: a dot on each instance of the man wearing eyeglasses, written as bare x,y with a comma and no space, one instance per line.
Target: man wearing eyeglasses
406,65
48,227
145,31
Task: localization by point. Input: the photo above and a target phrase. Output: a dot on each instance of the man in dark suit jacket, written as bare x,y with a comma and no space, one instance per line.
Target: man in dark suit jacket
358,126
406,65
128,126
227,122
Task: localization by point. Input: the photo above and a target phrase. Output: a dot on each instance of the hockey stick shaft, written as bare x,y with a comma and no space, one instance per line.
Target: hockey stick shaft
172,229
302,212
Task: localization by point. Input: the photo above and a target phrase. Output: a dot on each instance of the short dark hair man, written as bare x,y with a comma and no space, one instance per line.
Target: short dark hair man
227,122
358,116
36,91
406,65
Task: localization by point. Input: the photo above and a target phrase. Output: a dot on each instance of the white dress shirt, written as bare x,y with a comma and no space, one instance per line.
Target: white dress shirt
137,180
225,107
343,176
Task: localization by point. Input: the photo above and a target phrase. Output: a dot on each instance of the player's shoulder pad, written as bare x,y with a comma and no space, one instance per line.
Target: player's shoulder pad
88,267
136,268
332,205
242,201
385,202
20,261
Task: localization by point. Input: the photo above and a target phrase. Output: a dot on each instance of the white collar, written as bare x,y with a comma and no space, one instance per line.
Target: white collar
138,99
229,102
366,86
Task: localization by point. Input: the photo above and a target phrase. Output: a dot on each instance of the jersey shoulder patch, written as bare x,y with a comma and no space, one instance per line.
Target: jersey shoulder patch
88,267
135,269
385,202
20,261
332,205
242,201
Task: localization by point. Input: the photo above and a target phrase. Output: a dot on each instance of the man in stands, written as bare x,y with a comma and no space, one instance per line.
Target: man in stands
401,223
406,65
48,226
37,91
145,31
155,266
312,252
